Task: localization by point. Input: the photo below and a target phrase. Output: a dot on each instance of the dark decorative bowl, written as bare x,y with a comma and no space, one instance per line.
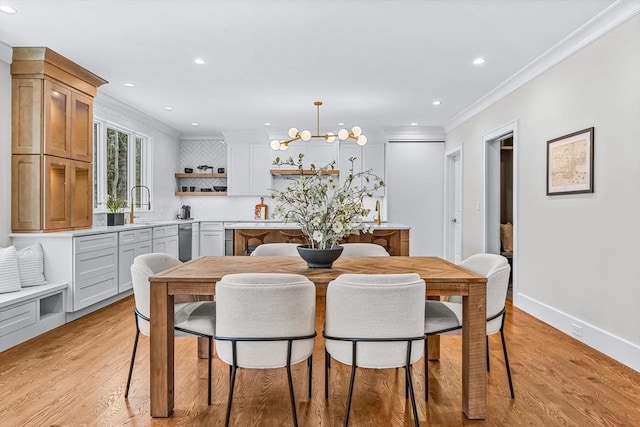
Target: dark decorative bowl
220,187
319,258
205,190
188,170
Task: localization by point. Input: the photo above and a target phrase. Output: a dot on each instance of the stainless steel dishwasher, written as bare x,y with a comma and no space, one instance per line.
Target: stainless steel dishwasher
184,241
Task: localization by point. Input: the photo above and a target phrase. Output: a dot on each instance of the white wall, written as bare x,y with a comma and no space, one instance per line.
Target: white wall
5,145
577,255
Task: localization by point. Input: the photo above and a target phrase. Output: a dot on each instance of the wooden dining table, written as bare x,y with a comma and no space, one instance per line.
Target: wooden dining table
199,277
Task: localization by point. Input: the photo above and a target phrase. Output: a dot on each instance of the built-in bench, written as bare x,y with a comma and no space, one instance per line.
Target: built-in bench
30,312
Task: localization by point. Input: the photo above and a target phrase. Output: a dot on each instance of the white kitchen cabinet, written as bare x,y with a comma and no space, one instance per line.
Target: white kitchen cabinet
368,157
195,240
259,169
131,244
165,239
248,169
211,239
95,269
347,151
374,159
238,169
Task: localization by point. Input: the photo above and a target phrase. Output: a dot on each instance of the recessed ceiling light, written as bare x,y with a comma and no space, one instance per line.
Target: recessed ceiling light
199,61
7,9
478,61
267,124
414,124
437,102
168,108
194,124
129,84
341,124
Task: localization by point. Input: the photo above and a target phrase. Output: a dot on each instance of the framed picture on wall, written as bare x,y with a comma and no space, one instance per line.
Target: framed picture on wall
570,163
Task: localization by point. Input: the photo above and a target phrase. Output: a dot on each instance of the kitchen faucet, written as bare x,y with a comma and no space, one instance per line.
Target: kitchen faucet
132,201
376,218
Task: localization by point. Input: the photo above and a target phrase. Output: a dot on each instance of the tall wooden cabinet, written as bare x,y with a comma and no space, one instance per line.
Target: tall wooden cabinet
52,141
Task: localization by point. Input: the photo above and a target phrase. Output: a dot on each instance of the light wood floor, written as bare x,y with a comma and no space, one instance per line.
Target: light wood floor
76,375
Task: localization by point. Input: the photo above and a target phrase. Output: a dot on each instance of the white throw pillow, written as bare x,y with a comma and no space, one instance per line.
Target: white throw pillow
31,266
9,273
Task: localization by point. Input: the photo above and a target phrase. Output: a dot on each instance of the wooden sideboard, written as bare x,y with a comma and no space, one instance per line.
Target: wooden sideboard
395,241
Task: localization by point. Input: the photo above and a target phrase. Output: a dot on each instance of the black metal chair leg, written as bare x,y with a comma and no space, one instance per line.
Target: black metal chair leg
406,385
310,365
327,363
350,395
487,352
292,396
229,402
409,384
426,369
414,407
209,376
133,358
353,377
506,363
232,382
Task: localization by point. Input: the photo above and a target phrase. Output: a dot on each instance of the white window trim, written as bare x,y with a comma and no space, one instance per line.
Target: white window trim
101,159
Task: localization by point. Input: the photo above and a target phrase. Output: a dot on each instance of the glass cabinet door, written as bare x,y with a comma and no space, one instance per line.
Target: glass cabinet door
57,119
57,193
81,127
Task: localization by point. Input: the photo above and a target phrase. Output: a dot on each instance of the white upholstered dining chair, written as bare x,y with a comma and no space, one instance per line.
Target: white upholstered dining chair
445,317
265,320
191,319
363,249
375,321
276,249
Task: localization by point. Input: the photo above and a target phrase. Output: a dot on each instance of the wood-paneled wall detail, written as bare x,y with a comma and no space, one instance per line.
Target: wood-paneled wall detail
396,242
52,117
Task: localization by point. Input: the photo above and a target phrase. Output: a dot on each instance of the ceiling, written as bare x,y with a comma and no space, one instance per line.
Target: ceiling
378,64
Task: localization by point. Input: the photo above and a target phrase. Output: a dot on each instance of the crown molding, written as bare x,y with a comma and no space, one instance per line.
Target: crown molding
414,133
612,17
108,105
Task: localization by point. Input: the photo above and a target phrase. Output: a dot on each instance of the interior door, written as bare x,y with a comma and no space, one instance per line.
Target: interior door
457,209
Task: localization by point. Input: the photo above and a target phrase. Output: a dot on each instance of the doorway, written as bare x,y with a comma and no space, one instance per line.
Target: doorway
453,205
500,225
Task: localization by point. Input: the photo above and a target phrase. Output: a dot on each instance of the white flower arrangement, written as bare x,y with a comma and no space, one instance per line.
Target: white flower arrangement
325,210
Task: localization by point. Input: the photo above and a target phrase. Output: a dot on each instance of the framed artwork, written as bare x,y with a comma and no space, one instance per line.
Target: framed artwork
570,163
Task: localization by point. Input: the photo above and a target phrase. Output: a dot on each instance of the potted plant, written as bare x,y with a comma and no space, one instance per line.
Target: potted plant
326,211
115,205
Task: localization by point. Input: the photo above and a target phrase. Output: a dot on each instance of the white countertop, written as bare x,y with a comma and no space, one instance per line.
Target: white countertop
229,225
104,229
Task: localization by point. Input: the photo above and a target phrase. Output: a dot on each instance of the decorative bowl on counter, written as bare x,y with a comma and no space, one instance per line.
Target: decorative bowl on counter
220,187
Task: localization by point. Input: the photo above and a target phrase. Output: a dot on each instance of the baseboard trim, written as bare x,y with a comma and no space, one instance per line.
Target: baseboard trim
615,347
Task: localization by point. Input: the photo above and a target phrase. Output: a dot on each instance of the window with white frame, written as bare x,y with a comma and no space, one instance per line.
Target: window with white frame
121,162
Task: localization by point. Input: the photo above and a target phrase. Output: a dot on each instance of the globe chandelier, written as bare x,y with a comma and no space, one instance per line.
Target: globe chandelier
343,134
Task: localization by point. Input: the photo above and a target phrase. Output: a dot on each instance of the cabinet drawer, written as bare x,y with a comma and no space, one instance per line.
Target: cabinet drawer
94,241
91,264
210,226
131,236
13,319
94,289
165,231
